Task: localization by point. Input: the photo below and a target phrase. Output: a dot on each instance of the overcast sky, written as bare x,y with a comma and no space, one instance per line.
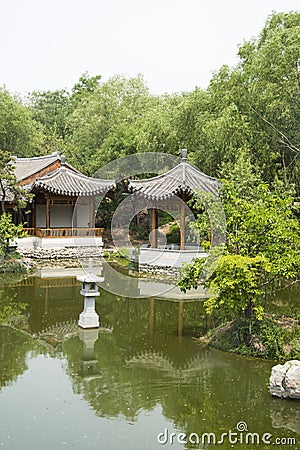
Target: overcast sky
175,44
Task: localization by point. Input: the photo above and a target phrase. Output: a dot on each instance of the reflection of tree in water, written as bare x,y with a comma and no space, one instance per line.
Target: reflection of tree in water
132,317
198,389
144,363
10,309
14,347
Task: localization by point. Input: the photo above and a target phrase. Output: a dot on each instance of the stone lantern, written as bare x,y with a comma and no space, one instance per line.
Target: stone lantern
89,318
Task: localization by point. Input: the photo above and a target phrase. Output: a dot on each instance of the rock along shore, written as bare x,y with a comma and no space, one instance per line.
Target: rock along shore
285,380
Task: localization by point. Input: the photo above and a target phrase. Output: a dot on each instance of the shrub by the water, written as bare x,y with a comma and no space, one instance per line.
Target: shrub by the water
269,338
12,263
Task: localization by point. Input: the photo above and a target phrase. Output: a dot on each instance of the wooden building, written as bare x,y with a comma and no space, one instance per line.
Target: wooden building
63,202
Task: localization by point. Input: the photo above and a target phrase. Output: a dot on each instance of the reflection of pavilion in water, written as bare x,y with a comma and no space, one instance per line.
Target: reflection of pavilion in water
144,362
58,333
158,361
129,285
48,278
114,282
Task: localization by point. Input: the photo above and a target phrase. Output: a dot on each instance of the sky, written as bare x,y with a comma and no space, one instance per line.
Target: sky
175,44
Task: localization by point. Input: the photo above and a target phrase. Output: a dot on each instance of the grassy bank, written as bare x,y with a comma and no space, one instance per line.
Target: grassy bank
271,338
12,263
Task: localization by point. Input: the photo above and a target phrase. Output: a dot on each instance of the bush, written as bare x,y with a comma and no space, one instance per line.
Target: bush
261,338
8,232
173,235
12,265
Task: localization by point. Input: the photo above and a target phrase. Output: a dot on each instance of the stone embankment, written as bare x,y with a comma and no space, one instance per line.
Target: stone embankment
59,253
148,270
65,257
37,255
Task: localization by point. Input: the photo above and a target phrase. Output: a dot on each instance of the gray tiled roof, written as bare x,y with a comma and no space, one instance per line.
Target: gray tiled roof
25,167
182,178
64,181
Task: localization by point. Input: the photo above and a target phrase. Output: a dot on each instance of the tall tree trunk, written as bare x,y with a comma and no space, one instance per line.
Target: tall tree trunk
284,170
249,313
3,193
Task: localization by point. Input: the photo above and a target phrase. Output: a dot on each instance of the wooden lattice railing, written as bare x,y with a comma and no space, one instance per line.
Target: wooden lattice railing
64,232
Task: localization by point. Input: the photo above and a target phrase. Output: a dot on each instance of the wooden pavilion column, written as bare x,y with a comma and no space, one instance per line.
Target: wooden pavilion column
92,212
47,212
182,226
33,214
154,225
74,215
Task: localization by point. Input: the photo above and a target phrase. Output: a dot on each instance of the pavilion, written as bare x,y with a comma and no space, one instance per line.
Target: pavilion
170,192
63,203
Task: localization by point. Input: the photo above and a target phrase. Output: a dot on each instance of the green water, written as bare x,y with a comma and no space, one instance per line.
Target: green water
119,390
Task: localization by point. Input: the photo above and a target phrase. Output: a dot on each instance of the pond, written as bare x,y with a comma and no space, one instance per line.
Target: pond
132,383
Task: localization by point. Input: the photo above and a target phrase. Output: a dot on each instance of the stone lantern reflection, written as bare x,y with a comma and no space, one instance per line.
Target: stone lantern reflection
89,318
88,362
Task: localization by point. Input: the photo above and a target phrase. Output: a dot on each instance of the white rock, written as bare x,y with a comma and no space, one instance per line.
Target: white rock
285,380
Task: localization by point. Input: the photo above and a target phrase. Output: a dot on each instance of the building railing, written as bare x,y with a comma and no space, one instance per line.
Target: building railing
64,232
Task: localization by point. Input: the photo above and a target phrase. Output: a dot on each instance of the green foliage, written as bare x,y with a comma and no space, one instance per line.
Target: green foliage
157,130
10,191
85,86
262,244
100,125
107,208
8,232
9,310
173,235
164,218
20,134
137,233
266,339
238,283
51,109
12,264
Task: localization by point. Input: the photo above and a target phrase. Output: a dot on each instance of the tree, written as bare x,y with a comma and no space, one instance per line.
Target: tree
85,86
10,191
156,130
8,232
51,109
262,247
270,69
101,118
253,106
20,134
